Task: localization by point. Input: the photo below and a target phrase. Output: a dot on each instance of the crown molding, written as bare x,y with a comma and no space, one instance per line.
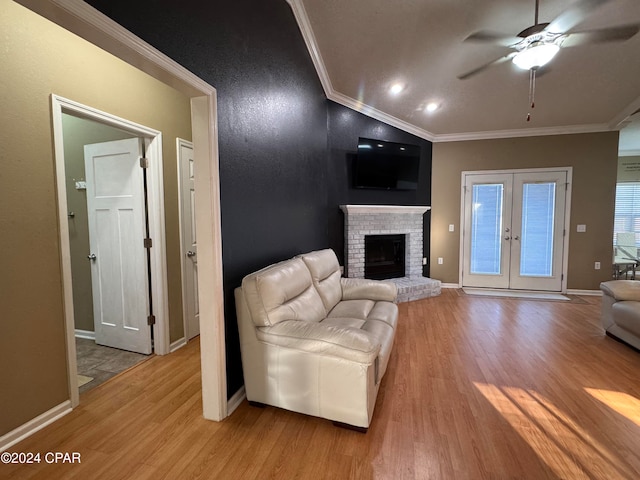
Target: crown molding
304,24
310,40
620,120
373,112
522,132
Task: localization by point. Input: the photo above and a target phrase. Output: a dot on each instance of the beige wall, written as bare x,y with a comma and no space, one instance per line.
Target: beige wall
594,159
79,132
38,59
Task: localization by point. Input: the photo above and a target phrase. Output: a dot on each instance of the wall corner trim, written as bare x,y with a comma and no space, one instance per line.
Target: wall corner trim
235,401
592,293
86,334
181,342
32,426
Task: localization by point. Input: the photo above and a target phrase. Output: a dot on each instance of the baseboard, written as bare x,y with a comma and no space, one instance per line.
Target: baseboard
235,401
592,293
181,342
32,426
89,335
449,285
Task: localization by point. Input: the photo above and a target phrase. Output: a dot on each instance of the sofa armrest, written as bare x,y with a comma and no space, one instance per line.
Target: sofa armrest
622,289
365,289
350,344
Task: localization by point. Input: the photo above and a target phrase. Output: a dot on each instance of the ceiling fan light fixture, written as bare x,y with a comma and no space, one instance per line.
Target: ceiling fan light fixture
536,55
432,107
397,88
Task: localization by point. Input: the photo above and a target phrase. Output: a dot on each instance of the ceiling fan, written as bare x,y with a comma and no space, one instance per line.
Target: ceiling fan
535,46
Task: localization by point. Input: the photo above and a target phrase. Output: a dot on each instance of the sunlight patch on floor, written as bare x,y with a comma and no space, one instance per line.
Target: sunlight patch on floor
626,405
558,440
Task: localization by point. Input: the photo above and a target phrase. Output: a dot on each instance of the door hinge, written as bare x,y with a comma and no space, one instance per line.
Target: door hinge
144,163
148,243
151,320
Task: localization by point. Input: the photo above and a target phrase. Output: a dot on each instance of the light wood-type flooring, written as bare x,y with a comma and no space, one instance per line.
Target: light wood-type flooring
477,388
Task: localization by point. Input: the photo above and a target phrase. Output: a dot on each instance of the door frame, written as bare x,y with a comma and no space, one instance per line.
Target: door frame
180,142
88,23
567,214
155,199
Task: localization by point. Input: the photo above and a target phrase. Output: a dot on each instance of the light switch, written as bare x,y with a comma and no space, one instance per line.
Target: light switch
452,227
582,228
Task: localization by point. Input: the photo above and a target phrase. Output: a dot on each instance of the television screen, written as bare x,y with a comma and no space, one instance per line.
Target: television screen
386,165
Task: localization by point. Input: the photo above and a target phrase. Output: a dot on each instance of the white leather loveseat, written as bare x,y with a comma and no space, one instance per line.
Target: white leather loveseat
313,342
621,310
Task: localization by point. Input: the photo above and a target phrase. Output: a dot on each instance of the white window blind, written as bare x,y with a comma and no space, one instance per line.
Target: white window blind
627,211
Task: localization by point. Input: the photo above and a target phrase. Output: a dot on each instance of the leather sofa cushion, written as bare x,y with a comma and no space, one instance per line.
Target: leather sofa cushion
622,289
358,288
627,315
348,343
385,312
283,291
325,274
353,309
380,332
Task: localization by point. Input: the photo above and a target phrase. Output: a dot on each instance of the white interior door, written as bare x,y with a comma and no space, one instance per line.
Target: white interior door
189,242
513,234
117,229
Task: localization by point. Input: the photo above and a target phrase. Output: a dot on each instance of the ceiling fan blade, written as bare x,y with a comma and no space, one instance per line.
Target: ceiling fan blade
481,68
613,34
573,15
495,38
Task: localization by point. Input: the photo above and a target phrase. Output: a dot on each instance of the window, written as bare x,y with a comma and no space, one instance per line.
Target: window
627,211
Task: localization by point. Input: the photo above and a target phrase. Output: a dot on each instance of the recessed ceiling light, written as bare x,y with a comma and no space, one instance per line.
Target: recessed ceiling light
432,107
396,88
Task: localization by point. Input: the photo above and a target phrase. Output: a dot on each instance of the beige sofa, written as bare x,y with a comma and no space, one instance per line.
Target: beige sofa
621,310
314,342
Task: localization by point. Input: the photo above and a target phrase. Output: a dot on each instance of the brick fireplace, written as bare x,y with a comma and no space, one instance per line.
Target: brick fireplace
369,220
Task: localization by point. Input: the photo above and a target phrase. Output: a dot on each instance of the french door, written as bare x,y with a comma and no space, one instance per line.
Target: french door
513,235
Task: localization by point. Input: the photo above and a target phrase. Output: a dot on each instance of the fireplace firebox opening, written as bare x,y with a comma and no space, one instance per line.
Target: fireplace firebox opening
384,256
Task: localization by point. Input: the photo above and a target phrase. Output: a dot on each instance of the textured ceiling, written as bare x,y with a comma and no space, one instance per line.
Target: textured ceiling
362,47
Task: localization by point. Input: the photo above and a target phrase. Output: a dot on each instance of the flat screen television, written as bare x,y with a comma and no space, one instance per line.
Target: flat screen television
386,165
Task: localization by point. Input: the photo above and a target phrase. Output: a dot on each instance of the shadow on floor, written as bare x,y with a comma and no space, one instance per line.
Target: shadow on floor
100,363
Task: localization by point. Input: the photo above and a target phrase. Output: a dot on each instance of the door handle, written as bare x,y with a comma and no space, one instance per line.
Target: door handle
516,237
92,256
507,237
191,254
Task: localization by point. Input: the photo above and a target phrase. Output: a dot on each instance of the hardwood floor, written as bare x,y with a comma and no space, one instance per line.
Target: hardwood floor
477,388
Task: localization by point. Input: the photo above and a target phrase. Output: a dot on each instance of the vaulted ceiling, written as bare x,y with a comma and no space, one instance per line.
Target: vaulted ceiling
363,47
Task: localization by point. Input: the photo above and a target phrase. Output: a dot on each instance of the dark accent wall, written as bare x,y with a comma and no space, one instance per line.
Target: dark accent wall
280,186
344,128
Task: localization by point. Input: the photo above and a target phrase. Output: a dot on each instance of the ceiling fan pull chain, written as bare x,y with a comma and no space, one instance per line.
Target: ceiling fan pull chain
532,91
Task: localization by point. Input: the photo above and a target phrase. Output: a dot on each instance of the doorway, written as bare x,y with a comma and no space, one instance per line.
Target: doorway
84,21
152,271
514,229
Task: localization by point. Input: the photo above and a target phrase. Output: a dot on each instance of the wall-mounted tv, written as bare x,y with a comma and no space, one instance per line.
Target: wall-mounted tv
386,165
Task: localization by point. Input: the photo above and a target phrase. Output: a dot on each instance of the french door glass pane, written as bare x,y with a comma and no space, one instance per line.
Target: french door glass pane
538,206
486,229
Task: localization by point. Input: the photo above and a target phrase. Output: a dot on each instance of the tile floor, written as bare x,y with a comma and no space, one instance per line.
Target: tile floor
101,363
